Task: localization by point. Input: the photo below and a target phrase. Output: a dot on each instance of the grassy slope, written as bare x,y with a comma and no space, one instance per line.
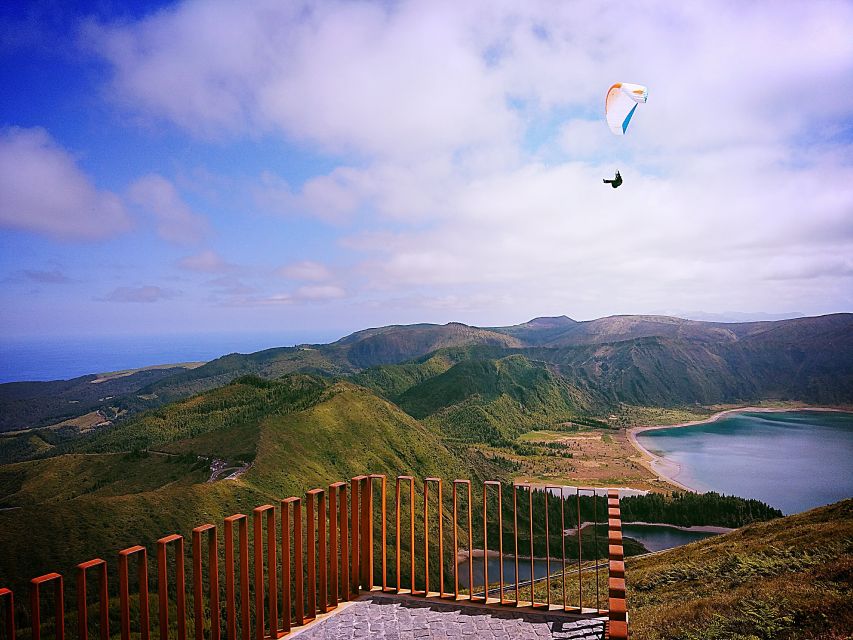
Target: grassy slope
493,400
57,535
392,380
239,405
639,360
68,477
347,431
787,578
350,432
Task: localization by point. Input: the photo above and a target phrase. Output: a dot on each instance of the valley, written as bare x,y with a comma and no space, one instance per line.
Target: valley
546,403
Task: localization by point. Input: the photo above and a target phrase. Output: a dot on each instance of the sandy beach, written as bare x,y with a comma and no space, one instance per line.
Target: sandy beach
666,470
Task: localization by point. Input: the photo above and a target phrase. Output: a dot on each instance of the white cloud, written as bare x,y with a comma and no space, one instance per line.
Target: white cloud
416,190
174,219
208,261
319,292
43,190
306,270
472,146
363,77
424,77
555,237
330,198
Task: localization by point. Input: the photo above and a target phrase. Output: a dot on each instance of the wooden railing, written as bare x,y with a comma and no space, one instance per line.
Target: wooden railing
326,556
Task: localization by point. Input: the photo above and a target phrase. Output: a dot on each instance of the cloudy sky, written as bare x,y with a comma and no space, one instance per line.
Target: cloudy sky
208,165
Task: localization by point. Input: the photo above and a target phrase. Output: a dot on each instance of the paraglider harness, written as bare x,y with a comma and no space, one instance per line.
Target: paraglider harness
615,182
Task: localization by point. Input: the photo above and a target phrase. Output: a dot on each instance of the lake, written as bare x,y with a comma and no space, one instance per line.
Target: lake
657,537
654,537
793,460
540,570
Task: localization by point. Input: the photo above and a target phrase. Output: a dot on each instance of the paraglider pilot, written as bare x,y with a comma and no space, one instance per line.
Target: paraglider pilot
615,182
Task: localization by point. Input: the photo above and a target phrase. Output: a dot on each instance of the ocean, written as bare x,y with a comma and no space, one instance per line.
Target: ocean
63,358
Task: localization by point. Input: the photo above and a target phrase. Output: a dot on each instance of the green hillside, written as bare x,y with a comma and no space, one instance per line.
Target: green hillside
244,402
391,380
270,364
641,360
784,579
37,404
299,433
350,431
493,401
67,477
652,371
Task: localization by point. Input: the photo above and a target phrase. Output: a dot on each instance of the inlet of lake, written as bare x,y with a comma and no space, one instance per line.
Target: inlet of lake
793,460
654,537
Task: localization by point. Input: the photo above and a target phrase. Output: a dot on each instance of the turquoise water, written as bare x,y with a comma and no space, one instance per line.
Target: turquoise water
794,460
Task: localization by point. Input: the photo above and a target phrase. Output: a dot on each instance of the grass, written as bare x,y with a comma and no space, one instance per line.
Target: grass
64,478
111,490
546,435
787,578
784,579
635,416
83,505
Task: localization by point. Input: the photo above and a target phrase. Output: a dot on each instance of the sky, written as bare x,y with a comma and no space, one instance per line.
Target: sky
206,165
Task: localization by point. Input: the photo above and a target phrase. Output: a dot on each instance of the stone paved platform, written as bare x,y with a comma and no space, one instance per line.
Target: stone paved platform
384,617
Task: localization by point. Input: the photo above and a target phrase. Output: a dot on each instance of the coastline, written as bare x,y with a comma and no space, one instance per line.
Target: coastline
666,470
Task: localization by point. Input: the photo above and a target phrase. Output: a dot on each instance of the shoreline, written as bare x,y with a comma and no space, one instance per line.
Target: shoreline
699,528
666,469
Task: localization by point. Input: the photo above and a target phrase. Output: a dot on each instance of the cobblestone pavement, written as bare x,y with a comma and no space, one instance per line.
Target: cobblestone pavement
391,618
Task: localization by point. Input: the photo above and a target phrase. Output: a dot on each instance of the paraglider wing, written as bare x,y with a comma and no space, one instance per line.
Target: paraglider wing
621,103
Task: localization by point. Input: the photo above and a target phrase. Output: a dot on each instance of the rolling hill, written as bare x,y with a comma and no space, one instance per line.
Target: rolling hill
135,481
644,360
783,579
495,400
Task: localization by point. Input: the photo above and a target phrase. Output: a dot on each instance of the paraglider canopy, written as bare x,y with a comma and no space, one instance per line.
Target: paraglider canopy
621,102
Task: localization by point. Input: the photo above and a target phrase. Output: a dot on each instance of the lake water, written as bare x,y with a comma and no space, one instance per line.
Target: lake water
654,537
794,460
540,570
657,537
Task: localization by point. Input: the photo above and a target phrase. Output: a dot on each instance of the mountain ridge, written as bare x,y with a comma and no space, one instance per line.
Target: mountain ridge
622,358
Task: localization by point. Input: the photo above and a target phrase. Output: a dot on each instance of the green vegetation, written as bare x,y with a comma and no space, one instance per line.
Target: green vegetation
351,431
613,363
493,401
783,579
37,404
142,479
686,509
631,415
23,446
390,381
64,478
449,401
243,403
